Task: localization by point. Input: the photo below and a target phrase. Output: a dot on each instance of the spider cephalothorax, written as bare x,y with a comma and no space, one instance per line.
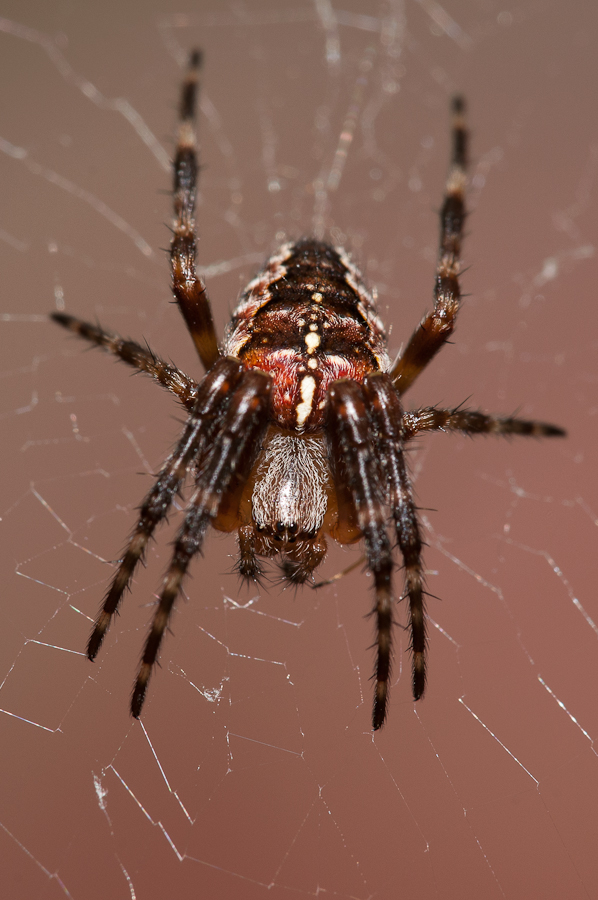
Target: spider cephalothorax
297,430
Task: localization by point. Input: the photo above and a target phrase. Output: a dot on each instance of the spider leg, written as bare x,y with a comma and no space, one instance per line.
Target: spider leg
187,286
141,358
354,464
429,418
437,326
387,416
213,394
229,457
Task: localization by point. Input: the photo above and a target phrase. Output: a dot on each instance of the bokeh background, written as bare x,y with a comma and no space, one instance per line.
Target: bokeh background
253,772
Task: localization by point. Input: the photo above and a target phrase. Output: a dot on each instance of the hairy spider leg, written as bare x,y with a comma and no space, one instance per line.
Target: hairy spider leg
187,286
430,418
355,465
387,417
210,407
437,326
141,358
230,457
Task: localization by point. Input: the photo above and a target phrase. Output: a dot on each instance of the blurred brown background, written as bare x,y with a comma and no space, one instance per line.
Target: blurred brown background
255,773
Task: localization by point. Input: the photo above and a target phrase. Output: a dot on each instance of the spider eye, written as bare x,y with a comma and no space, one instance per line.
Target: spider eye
279,527
292,528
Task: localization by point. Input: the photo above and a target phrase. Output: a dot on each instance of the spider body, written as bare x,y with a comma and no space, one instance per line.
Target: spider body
307,320
297,430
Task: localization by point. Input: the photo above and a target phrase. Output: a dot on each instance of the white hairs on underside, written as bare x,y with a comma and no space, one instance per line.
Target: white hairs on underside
291,484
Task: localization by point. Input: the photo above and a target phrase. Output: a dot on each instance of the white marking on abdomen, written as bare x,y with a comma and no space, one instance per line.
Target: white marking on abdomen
308,387
312,340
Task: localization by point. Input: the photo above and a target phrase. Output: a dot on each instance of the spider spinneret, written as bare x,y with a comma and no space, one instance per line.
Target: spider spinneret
297,431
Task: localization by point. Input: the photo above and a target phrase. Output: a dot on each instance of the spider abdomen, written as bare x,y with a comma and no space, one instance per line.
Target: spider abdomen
307,320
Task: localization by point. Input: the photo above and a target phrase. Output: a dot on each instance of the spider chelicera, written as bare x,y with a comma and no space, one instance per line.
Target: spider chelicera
297,430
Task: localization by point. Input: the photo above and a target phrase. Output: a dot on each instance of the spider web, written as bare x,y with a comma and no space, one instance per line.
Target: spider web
254,772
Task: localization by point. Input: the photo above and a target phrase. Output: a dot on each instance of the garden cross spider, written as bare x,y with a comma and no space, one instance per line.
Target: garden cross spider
297,430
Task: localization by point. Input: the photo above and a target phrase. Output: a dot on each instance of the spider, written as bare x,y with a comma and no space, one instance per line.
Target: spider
297,430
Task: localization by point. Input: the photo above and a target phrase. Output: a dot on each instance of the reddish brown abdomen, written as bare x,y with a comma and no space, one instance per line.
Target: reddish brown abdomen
307,320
